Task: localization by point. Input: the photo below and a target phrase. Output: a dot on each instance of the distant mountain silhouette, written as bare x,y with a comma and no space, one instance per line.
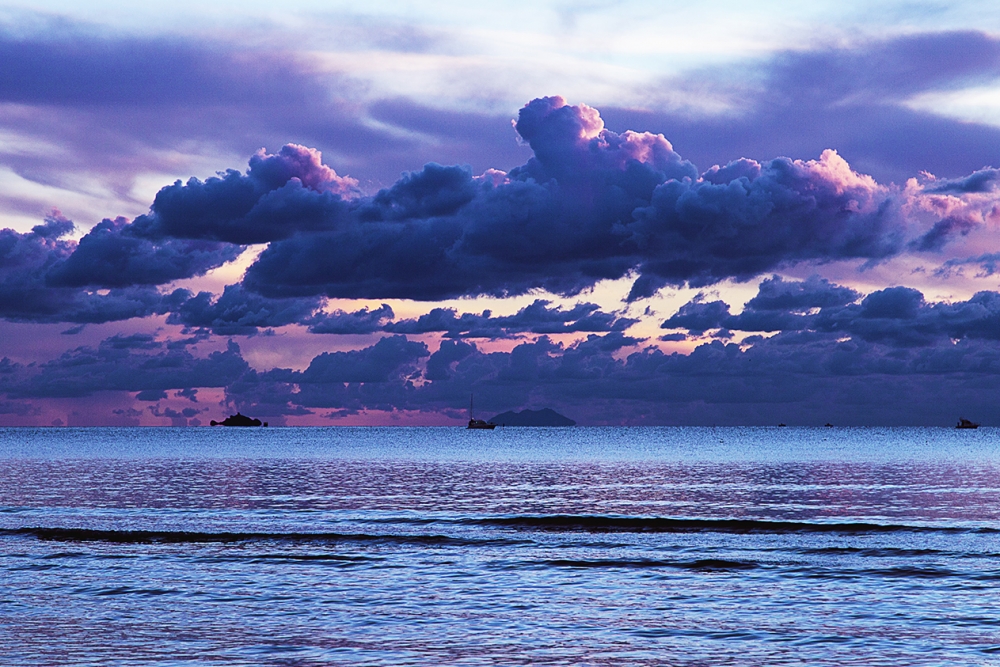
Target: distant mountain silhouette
544,417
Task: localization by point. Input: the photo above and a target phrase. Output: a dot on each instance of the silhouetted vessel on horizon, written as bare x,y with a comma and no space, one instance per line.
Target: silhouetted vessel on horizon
238,420
478,423
965,423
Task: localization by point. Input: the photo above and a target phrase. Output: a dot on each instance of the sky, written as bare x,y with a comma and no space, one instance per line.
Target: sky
634,213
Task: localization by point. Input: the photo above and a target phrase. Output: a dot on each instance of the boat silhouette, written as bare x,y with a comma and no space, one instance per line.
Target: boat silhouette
965,423
478,423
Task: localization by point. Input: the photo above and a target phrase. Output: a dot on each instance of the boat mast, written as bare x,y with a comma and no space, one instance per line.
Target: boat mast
471,397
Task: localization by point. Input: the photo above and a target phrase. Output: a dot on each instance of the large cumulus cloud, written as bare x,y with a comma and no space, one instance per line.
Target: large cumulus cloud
593,204
279,195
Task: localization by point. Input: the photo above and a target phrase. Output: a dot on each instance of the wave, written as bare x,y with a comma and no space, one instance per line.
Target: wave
700,565
195,537
590,524
611,524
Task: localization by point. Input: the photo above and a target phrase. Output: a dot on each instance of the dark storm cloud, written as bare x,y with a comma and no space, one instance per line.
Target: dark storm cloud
698,316
151,395
852,98
591,204
702,232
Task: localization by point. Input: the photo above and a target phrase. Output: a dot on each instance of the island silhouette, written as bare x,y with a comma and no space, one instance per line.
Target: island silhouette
543,417
238,420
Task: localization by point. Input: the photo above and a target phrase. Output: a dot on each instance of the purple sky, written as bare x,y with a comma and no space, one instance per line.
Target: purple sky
332,217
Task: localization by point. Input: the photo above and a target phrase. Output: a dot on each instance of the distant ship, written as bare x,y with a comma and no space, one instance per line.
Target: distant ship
965,423
478,423
238,420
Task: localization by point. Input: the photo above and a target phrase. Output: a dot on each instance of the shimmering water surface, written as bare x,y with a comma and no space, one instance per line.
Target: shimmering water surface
394,546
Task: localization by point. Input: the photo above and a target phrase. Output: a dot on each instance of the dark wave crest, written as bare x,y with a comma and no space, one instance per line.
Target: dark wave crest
611,524
700,565
193,537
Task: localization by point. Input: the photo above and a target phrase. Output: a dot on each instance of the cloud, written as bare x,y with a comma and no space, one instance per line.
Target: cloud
774,293
698,316
111,255
984,180
943,232
898,317
27,295
238,312
891,357
185,417
793,211
796,377
363,321
537,318
119,364
591,204
279,195
855,97
119,105
390,358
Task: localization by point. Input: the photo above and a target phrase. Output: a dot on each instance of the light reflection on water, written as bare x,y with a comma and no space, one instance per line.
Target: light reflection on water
520,546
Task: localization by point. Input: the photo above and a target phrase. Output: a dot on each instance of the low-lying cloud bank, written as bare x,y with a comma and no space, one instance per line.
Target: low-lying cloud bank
887,358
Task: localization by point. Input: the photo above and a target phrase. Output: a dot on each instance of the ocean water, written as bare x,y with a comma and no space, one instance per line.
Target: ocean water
423,546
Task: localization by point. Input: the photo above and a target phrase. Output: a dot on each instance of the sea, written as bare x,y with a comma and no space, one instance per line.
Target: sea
519,546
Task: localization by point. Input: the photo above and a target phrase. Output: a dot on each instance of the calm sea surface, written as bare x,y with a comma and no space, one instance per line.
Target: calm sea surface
423,546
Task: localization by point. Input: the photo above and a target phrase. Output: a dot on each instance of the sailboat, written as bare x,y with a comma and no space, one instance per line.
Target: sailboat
478,423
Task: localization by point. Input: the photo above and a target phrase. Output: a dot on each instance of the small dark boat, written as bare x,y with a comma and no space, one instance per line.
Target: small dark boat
965,423
828,425
238,420
478,423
